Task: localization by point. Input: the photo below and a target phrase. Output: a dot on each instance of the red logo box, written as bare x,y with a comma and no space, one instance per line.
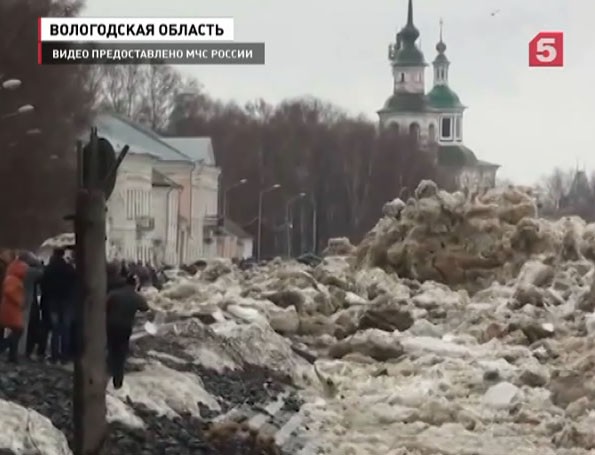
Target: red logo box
547,49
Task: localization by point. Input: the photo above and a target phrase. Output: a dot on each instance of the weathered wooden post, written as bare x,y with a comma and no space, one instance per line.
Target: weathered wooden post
97,167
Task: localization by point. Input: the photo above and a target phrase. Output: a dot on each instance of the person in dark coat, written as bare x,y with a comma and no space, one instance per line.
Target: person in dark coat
34,273
39,326
58,286
143,274
115,276
155,280
122,305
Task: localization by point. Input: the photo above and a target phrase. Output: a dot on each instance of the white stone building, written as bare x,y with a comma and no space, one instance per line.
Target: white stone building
202,204
166,207
165,192
434,118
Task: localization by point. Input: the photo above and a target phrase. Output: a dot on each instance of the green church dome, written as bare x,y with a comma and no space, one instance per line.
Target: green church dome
409,55
405,102
441,96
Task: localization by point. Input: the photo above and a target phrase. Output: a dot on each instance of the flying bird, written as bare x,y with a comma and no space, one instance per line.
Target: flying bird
493,13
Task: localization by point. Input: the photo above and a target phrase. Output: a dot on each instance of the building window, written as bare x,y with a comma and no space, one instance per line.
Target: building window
393,128
414,130
402,77
446,128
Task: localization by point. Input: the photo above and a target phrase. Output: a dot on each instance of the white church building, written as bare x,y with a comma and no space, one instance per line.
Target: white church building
435,117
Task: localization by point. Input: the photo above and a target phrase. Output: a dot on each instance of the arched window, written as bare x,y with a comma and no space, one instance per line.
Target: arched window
393,128
414,130
432,133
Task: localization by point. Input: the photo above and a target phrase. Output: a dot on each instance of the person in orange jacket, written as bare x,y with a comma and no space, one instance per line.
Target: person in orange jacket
12,305
6,257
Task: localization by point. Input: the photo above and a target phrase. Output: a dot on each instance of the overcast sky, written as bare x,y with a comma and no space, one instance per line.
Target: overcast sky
528,120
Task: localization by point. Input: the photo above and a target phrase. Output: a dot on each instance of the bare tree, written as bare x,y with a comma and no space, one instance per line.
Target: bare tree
554,187
39,167
122,89
163,83
347,168
143,93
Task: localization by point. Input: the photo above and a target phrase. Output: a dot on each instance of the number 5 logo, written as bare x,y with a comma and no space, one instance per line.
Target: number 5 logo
547,49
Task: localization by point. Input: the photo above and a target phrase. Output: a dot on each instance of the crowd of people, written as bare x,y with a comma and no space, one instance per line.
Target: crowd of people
38,304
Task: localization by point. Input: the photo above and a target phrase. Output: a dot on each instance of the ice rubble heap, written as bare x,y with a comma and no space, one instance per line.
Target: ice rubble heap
460,325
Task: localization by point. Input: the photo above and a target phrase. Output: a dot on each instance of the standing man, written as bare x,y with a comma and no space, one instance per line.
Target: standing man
122,305
58,286
34,273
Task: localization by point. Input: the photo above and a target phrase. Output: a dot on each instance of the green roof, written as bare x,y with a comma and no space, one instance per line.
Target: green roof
409,55
482,163
456,155
441,96
405,102
441,60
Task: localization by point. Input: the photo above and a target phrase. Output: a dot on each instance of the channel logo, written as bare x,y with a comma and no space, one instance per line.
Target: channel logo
547,49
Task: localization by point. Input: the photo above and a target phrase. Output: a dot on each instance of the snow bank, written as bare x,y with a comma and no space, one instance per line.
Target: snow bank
462,324
165,391
26,432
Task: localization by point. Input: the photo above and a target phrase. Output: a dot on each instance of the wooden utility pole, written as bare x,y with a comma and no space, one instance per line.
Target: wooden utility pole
89,407
97,168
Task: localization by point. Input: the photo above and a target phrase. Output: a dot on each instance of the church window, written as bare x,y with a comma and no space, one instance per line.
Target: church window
446,128
414,130
402,76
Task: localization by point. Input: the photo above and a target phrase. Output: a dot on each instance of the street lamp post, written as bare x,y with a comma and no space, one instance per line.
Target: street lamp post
11,84
288,227
260,196
228,189
25,109
314,225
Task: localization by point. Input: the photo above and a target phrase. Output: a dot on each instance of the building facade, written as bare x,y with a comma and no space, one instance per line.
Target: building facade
202,190
165,194
435,118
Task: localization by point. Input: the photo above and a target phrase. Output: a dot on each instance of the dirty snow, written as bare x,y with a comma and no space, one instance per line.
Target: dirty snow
460,325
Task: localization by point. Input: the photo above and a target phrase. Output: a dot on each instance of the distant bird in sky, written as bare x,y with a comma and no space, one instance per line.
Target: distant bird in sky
493,13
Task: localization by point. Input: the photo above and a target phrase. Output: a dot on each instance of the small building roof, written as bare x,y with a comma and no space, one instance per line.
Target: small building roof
199,149
482,163
235,229
456,155
121,131
161,180
213,224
